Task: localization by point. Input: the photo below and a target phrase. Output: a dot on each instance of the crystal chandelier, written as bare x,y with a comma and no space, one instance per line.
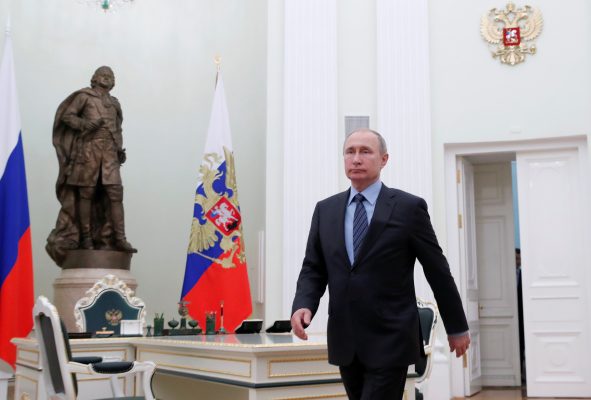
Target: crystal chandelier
108,5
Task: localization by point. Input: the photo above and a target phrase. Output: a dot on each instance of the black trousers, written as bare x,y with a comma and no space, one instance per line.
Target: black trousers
362,383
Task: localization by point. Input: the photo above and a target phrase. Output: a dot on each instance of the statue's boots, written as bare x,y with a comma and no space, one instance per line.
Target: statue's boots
85,236
118,220
124,245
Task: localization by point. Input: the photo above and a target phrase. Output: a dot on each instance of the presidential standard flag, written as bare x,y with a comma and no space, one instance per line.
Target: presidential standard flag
216,265
16,266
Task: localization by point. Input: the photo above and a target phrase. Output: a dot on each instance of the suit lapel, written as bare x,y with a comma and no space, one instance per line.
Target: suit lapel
385,204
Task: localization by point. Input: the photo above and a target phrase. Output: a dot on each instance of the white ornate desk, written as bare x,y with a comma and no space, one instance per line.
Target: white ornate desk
232,367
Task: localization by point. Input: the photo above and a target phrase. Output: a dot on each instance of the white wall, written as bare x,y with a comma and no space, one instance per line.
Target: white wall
357,67
162,55
476,99
473,96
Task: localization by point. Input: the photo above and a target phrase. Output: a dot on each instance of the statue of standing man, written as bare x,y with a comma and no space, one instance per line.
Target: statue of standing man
87,136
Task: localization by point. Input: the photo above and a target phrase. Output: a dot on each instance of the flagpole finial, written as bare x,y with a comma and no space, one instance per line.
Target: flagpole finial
218,62
7,30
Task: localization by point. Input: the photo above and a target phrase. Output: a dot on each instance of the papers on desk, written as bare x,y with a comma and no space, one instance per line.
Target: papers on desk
131,327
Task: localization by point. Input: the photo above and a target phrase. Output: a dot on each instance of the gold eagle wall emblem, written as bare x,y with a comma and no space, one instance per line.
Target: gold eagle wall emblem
510,31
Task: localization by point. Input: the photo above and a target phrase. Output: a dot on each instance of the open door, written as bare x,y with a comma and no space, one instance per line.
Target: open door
468,261
554,220
497,294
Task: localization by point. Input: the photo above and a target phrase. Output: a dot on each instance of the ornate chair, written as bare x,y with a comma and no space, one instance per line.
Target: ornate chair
106,304
428,319
59,369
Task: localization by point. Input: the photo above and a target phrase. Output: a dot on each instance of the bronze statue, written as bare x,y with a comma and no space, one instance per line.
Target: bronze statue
89,145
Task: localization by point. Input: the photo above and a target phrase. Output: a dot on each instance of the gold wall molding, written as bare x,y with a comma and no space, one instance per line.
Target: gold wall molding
25,395
185,355
295,360
321,396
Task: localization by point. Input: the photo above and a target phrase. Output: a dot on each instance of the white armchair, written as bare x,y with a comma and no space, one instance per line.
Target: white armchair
59,370
428,319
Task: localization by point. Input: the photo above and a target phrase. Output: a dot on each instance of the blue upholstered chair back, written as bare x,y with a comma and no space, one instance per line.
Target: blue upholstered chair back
107,310
427,318
54,349
46,328
108,302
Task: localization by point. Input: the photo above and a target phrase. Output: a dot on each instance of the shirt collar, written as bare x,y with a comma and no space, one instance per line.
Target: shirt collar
370,193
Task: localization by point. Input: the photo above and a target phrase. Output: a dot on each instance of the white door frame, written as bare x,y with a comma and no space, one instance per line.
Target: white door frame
454,150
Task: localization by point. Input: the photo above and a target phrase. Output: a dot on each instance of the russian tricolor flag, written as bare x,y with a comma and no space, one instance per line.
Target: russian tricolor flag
16,266
216,271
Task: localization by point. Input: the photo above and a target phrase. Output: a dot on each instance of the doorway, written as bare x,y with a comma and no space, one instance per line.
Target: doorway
494,229
553,192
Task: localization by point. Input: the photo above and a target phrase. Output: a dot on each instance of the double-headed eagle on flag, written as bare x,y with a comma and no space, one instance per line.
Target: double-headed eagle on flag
220,218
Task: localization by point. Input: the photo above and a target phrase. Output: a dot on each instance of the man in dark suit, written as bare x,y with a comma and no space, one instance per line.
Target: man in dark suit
363,244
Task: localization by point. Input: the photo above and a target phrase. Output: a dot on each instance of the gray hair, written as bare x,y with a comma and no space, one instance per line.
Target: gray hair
381,140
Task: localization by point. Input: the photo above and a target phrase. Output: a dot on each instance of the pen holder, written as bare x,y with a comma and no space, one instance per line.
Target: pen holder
210,317
158,326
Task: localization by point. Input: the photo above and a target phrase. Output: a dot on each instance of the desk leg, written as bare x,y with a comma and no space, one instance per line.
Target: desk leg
4,377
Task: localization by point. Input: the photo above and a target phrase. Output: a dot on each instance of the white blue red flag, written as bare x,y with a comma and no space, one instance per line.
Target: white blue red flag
216,265
16,265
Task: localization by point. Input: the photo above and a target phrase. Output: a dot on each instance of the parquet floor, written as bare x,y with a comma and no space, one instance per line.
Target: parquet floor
507,394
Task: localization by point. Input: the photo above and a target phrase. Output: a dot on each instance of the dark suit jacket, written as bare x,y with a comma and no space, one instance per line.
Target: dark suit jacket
372,306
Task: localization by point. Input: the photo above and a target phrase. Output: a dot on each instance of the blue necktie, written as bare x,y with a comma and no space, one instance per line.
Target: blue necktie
359,224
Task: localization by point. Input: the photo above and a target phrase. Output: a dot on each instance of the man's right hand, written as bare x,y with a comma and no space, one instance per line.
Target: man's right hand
300,321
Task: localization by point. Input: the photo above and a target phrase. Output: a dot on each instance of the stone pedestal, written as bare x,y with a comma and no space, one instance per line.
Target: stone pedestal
80,271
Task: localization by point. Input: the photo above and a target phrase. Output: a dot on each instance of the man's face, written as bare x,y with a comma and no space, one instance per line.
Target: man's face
363,161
